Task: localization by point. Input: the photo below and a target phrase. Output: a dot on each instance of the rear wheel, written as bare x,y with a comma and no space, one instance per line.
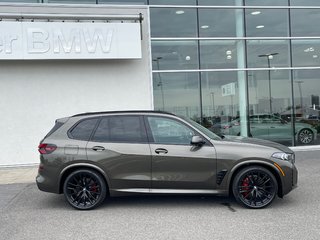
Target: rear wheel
255,187
84,189
305,136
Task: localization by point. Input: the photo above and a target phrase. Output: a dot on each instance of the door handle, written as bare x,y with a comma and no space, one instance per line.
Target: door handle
161,150
272,127
98,148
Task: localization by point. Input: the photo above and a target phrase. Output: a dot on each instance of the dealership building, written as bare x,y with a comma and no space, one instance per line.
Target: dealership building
239,67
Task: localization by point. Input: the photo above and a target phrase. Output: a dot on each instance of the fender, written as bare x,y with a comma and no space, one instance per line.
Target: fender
88,165
253,162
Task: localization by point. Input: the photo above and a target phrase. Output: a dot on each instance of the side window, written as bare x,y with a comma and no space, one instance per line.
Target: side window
83,130
120,129
169,131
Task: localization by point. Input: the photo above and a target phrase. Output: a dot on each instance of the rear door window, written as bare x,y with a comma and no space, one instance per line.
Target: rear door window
125,129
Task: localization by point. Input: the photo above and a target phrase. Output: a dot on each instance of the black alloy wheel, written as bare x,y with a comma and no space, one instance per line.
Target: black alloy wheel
255,187
84,189
305,136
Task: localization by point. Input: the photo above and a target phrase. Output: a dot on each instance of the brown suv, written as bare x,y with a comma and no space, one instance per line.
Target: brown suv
93,155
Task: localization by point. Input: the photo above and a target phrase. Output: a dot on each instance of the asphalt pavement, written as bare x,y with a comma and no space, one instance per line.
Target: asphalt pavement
27,213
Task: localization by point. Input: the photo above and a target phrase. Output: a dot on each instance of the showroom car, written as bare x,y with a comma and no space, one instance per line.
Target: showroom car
269,127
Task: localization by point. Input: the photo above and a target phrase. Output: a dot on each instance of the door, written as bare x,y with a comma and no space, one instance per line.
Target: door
279,129
176,164
120,146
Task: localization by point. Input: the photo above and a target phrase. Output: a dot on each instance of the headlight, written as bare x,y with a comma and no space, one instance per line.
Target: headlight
284,156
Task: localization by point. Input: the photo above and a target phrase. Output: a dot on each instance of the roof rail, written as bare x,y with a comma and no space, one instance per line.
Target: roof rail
129,111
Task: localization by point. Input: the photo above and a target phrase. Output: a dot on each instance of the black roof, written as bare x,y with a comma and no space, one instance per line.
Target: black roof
130,111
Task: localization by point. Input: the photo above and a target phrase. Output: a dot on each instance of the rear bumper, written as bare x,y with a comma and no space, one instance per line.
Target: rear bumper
46,185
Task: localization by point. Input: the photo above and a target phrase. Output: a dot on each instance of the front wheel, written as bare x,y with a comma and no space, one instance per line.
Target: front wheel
255,187
305,136
84,189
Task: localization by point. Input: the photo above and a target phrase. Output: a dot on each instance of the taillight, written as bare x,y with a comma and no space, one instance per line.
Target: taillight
45,148
227,127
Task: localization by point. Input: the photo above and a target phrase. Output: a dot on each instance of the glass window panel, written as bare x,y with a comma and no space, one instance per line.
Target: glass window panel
217,22
266,2
123,1
220,2
177,93
258,52
220,101
306,53
169,131
304,22
21,1
172,2
84,129
267,22
307,94
126,129
71,1
218,54
305,2
173,22
270,105
174,55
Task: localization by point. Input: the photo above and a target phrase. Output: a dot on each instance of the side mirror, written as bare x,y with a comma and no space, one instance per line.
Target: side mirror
197,141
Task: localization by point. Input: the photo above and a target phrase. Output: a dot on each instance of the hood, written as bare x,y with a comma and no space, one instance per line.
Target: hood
256,141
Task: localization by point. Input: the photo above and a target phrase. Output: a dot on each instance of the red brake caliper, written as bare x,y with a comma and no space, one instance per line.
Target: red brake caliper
245,187
94,188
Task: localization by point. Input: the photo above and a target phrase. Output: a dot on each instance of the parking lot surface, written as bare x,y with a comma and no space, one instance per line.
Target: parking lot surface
27,213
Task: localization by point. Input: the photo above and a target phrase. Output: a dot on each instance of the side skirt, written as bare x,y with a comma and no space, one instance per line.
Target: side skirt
135,191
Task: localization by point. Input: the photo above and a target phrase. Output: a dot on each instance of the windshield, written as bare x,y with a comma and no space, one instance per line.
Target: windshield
202,129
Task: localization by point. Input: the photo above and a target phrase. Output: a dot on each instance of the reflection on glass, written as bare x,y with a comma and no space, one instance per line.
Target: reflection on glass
305,2
267,22
265,88
123,1
220,2
218,54
304,22
257,48
71,1
220,101
22,1
217,23
266,2
178,93
306,53
307,107
173,22
175,55
172,2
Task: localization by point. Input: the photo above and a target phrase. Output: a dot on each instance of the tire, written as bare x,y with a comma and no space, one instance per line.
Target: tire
85,189
305,136
254,187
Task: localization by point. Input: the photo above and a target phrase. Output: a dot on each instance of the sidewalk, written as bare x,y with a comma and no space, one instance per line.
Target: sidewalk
11,175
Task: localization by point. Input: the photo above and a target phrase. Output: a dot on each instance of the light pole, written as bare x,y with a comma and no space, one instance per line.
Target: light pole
300,92
213,108
269,57
160,80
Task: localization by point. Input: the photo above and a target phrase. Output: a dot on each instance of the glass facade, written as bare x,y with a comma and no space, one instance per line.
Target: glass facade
244,68
239,67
